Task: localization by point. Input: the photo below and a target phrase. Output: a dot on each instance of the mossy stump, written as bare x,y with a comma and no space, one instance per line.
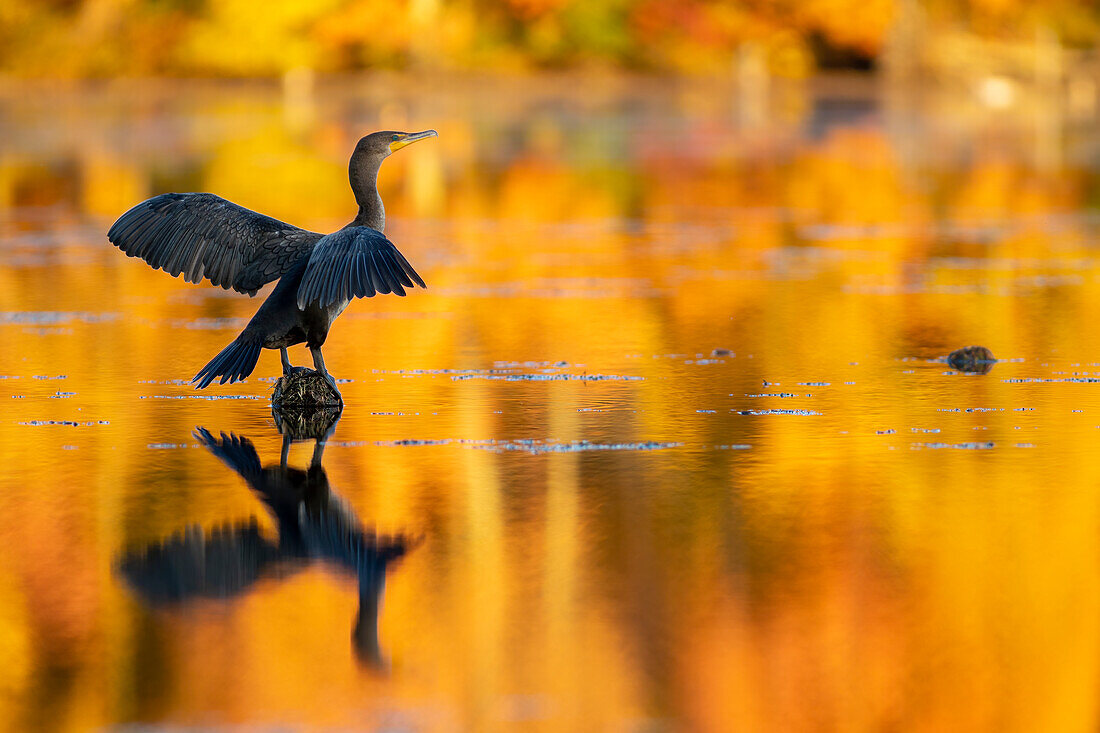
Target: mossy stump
305,405
304,388
974,359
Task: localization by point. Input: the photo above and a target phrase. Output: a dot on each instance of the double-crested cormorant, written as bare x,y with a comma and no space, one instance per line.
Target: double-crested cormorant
200,235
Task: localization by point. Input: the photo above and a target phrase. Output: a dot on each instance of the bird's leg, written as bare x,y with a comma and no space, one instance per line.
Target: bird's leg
286,362
319,364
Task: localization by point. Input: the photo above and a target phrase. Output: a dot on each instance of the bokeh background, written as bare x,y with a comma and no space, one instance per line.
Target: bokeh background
129,38
670,432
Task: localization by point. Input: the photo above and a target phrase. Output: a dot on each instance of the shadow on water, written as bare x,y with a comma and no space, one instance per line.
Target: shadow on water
314,526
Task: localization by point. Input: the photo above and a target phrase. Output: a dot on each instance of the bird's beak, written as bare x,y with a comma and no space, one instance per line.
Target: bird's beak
410,138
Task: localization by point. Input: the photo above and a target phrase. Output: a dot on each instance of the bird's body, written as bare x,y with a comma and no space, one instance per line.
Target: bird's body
202,236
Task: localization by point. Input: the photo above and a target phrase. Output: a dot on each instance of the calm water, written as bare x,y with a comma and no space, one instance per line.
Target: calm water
666,444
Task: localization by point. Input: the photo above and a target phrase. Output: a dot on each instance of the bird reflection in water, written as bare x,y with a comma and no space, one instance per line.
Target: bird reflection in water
314,526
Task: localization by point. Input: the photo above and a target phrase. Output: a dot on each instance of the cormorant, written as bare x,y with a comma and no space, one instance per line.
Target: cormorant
200,235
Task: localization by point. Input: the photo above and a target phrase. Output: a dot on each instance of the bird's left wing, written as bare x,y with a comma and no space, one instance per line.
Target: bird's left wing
356,262
200,235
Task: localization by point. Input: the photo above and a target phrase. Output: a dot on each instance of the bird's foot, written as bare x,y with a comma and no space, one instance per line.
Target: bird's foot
295,370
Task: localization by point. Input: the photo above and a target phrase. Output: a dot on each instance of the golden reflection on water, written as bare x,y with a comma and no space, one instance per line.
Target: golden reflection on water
617,526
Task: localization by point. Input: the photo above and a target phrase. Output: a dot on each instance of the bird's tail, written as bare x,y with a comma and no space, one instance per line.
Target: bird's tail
233,363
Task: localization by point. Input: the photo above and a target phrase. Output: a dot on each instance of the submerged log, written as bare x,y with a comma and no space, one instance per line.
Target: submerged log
974,359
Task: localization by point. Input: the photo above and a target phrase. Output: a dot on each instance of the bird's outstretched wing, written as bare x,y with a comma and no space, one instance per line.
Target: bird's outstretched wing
200,235
355,262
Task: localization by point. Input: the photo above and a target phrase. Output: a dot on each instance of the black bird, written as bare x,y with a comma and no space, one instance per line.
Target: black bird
200,235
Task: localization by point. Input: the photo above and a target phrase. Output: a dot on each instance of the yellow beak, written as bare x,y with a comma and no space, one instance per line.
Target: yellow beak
409,138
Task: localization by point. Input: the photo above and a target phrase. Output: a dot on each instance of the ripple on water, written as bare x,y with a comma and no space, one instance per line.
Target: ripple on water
777,411
530,445
1037,380
201,397
54,318
958,446
550,377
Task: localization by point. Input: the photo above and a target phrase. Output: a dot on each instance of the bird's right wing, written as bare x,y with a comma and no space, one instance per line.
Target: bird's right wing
200,235
355,262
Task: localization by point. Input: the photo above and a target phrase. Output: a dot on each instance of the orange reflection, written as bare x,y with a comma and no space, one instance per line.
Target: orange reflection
609,538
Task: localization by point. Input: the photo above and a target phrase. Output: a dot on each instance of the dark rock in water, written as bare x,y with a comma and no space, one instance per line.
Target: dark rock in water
304,388
721,352
976,359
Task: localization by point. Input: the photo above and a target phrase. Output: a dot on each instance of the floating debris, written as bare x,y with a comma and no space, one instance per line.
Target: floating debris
776,412
549,377
529,364
535,447
1035,380
530,445
972,359
957,446
970,409
200,397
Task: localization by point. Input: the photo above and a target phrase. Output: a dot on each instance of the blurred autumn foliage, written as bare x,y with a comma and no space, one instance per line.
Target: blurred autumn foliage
106,38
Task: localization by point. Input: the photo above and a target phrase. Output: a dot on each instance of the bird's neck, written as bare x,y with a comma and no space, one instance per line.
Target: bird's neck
364,184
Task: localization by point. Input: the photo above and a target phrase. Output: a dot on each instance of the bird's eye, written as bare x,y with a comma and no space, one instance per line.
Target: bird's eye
396,136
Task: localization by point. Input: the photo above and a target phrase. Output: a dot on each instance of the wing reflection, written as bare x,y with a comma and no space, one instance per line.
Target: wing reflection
314,525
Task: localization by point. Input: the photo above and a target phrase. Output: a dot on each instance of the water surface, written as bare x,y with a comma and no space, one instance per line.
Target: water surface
667,444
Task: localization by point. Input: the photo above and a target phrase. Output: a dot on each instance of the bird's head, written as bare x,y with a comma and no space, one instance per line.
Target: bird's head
380,144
